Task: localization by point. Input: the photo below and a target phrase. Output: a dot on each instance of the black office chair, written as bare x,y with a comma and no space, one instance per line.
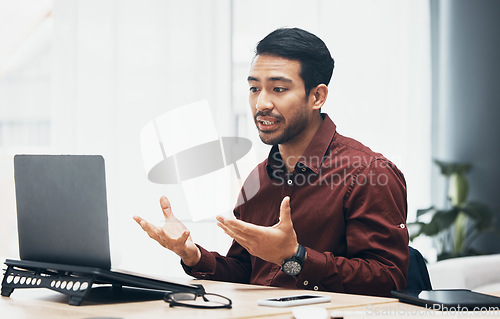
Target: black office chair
418,276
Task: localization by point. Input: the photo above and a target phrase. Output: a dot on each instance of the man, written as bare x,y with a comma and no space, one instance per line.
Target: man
329,214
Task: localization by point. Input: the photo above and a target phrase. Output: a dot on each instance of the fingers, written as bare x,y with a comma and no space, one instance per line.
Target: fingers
241,240
184,237
285,211
172,235
149,228
138,219
226,229
166,207
161,236
171,242
239,228
244,233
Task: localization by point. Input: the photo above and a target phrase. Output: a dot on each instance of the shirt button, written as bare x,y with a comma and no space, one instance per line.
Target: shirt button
402,226
303,169
315,288
306,282
290,182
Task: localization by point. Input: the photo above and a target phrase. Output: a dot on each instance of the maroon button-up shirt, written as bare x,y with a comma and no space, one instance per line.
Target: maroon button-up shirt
348,207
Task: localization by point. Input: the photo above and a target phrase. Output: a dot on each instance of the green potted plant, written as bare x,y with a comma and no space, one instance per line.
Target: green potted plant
456,226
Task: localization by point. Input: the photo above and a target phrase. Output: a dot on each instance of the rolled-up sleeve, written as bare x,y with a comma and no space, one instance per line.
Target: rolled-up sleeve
376,259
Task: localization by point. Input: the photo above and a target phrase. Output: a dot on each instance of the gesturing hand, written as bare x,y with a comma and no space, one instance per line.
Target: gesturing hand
172,235
273,244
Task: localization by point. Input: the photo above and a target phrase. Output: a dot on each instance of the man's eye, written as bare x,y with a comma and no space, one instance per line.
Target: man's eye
253,89
279,89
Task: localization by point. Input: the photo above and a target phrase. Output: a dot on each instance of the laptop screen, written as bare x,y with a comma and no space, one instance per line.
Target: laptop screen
61,209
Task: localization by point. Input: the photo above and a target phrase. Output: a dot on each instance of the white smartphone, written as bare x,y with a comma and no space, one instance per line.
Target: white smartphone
297,300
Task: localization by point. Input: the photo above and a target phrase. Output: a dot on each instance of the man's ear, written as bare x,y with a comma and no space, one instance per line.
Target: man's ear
318,96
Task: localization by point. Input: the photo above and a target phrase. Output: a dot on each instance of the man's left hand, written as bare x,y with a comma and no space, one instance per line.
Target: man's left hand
273,244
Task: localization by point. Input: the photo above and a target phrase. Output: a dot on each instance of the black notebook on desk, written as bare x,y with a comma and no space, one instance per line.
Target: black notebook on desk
449,299
63,228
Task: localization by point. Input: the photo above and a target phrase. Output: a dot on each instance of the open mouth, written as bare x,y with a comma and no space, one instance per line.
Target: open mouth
263,122
267,124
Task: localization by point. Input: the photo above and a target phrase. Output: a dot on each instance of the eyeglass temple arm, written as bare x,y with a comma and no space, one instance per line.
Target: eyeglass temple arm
200,291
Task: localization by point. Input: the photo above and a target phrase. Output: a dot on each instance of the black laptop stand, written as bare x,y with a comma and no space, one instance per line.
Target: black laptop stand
76,281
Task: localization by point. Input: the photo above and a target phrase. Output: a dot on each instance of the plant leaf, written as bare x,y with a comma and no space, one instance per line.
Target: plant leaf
415,229
445,218
421,212
481,214
448,168
441,220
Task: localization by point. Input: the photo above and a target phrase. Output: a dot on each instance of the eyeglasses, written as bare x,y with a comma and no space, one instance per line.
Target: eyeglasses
207,301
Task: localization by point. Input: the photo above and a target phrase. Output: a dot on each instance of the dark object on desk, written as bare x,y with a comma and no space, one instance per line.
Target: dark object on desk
77,281
63,229
418,275
449,299
199,301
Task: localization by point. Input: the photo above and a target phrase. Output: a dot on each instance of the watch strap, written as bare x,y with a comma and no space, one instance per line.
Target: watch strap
300,254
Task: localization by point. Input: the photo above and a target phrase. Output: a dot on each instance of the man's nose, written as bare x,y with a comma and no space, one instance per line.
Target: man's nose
264,102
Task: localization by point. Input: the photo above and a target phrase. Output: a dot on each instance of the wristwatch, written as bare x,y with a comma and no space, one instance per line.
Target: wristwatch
293,266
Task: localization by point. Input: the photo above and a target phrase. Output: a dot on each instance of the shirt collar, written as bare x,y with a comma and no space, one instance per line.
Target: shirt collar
314,153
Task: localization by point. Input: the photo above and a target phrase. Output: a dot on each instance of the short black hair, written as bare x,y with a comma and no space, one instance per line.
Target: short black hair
297,44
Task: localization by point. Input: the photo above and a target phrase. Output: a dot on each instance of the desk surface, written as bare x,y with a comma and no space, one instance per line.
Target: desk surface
44,303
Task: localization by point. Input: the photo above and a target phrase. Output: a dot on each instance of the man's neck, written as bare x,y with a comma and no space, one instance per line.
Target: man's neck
294,149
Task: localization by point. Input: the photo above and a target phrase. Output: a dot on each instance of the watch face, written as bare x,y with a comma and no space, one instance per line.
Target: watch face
292,268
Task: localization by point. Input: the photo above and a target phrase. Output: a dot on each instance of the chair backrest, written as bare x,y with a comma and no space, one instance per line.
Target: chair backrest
418,276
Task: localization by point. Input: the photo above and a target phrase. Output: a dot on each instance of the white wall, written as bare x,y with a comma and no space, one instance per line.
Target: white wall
119,65
116,65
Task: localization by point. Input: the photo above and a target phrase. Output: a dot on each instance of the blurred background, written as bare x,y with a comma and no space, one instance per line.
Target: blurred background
416,80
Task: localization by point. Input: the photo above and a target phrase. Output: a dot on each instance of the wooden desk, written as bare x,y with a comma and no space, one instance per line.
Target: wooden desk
401,310
44,303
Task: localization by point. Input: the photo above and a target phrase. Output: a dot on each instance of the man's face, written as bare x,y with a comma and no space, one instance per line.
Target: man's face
278,99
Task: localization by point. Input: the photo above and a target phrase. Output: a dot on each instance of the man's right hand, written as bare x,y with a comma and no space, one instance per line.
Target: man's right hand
173,235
